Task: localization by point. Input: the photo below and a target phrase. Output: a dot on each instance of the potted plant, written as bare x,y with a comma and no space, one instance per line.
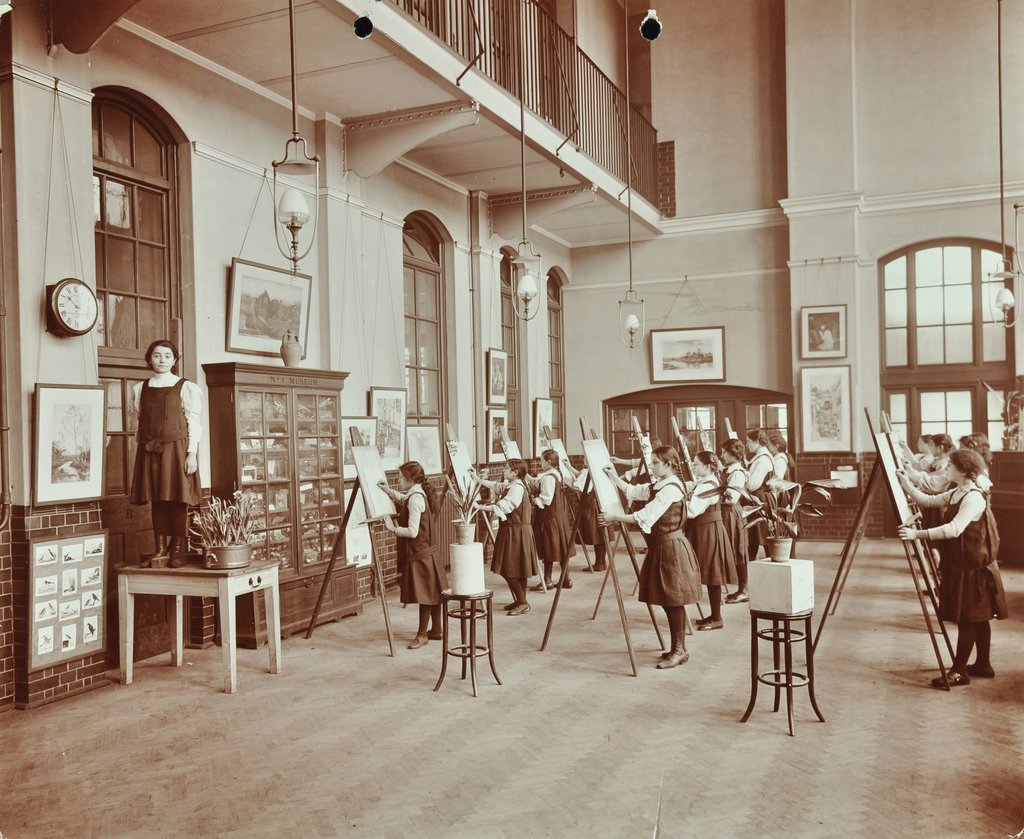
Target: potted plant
467,505
225,528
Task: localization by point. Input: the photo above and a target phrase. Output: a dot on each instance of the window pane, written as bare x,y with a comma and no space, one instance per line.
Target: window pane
426,345
116,136
414,396
994,402
933,407
928,265
151,216
753,413
148,156
121,316
898,407
101,319
896,347
929,345
990,263
426,295
115,412
114,479
959,349
151,271
958,406
959,303
929,306
956,430
995,435
896,273
118,205
97,213
896,308
429,400
152,322
410,295
120,272
957,265
933,427
410,341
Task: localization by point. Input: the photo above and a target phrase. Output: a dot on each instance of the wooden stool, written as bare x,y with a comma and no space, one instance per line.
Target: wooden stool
782,677
468,608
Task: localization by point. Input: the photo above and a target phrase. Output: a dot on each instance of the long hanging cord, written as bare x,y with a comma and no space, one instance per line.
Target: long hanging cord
629,147
264,182
382,257
999,77
360,300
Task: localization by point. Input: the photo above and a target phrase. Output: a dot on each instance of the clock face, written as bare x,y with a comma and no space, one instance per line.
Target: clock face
74,306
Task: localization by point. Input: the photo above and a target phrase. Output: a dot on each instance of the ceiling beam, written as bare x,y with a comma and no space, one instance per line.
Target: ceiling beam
507,210
78,24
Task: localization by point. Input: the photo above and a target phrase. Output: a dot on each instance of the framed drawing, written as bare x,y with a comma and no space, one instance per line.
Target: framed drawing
424,442
688,355
69,442
264,303
497,423
370,470
497,377
543,413
825,416
358,542
387,404
65,591
366,427
823,332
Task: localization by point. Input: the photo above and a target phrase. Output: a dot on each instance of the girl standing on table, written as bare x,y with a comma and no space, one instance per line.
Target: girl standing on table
735,479
515,554
971,592
707,534
669,576
551,521
166,470
760,470
421,574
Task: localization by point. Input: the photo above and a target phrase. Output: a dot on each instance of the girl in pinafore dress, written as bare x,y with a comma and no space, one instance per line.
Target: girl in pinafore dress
707,534
551,527
971,592
760,470
515,554
669,576
166,472
735,479
589,529
421,574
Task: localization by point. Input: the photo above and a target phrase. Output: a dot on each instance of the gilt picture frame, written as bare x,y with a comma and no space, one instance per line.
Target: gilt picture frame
264,303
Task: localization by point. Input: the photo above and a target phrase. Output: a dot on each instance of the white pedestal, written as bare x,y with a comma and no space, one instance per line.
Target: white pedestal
786,587
467,563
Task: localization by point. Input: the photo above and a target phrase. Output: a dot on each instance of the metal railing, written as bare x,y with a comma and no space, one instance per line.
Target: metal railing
562,84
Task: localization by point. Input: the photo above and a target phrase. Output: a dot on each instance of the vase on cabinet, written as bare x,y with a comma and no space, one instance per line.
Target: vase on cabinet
291,349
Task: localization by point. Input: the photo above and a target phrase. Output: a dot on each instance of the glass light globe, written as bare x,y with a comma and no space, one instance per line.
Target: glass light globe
292,209
527,286
1004,300
632,324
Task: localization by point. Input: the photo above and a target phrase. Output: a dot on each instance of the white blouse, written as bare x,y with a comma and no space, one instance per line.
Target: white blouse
191,404
761,466
416,502
735,480
972,508
670,490
510,495
695,505
548,481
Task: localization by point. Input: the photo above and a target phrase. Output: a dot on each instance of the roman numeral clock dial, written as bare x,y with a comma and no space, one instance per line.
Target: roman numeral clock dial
71,308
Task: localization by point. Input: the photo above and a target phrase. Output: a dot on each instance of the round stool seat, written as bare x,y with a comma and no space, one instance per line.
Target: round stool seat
467,609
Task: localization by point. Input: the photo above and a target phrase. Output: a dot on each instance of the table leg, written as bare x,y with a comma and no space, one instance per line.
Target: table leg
227,637
788,648
753,669
271,605
177,631
126,612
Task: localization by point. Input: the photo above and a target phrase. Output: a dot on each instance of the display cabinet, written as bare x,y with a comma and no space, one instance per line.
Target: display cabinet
275,432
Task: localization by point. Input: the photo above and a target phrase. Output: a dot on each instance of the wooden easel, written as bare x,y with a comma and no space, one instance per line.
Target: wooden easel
374,562
610,572
547,439
916,552
684,449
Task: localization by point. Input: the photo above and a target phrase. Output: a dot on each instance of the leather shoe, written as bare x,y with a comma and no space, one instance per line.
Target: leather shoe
508,607
435,636
985,672
519,609
737,597
547,585
601,567
710,623
955,680
417,642
674,660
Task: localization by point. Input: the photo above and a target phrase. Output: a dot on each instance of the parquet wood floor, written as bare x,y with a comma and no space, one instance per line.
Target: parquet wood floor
347,742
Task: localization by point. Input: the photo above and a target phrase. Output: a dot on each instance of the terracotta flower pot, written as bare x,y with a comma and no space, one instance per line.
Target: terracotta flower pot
779,550
465,534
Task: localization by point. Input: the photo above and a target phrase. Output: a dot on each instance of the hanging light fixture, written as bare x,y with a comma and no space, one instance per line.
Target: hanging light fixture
527,260
1005,272
632,319
291,212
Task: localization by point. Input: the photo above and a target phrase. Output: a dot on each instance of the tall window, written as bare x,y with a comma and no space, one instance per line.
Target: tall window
945,366
556,357
424,367
510,344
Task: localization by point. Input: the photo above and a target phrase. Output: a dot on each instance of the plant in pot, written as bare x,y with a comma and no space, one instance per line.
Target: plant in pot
466,504
226,528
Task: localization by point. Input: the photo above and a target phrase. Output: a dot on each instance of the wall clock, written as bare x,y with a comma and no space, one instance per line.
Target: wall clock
71,308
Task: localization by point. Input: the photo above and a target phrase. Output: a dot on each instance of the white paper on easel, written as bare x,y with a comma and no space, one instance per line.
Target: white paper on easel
608,498
885,452
370,470
458,456
358,542
510,448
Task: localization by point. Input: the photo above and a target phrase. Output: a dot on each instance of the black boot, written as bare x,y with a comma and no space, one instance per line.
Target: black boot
158,558
175,550
678,655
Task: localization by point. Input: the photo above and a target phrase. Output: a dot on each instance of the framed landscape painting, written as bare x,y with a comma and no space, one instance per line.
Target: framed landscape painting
688,355
70,443
263,304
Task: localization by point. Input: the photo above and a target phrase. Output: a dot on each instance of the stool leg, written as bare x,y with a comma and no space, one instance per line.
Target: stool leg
462,633
753,669
472,644
444,642
810,671
775,660
490,638
788,648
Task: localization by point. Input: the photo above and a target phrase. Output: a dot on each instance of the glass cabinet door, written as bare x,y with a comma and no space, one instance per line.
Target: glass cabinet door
318,464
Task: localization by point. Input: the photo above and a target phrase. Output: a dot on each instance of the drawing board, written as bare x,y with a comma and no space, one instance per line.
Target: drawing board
558,446
370,470
510,448
608,498
883,445
458,456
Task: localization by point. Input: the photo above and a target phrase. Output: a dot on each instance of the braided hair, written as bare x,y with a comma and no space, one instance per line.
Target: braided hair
413,472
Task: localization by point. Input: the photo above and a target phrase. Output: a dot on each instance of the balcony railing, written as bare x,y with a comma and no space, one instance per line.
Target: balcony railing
562,85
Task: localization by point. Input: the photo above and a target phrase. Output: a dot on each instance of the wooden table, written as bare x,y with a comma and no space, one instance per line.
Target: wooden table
225,584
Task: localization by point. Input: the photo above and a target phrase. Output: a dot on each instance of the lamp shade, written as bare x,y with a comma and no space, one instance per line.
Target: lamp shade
527,287
632,324
1004,300
292,209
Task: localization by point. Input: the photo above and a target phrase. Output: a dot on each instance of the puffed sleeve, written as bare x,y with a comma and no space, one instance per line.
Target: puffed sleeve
512,498
548,482
655,509
417,504
192,406
695,505
735,481
972,508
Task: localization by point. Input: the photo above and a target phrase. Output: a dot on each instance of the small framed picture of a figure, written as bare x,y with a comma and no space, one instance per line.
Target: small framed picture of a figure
497,377
823,332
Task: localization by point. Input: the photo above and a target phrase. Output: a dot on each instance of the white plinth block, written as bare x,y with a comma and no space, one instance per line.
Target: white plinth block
467,576
786,587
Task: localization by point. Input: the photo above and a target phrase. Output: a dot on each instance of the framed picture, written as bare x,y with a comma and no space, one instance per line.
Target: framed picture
69,442
263,304
823,332
497,424
367,430
387,404
543,413
825,415
497,377
424,443
688,355
370,471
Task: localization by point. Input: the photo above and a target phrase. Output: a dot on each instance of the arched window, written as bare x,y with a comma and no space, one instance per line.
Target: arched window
510,344
945,363
556,356
424,323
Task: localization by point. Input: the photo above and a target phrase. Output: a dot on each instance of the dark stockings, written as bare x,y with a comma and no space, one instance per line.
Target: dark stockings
426,613
517,585
741,575
968,635
600,556
170,518
676,623
715,599
984,645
